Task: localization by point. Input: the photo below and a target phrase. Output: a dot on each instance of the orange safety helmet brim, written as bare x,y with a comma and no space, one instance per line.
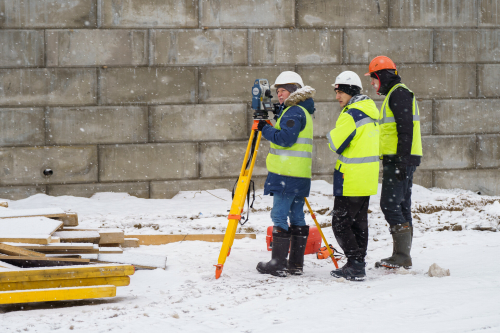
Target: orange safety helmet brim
379,63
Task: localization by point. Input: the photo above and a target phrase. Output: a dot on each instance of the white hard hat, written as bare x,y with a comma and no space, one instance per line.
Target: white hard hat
349,78
287,77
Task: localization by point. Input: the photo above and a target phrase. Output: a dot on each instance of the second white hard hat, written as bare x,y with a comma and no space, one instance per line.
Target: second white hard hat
288,77
349,78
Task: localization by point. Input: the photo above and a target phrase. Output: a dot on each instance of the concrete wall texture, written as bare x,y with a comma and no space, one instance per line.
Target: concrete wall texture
151,97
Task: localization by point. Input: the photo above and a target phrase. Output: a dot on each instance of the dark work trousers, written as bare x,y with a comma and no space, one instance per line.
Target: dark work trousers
350,225
395,199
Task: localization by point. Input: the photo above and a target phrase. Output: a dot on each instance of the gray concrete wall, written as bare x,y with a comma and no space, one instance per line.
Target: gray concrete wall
151,97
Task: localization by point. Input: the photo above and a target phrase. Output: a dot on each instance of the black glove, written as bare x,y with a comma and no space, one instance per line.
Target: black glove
261,125
401,171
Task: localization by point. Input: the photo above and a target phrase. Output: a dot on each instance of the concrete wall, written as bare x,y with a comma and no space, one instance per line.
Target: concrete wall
152,96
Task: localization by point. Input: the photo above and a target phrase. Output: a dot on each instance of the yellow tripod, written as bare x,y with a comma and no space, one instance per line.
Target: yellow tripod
239,196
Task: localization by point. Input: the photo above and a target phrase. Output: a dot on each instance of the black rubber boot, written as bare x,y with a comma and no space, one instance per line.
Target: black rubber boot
298,242
402,235
353,270
278,264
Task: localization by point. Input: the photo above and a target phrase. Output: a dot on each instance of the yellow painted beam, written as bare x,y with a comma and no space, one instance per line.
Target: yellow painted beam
119,281
62,294
66,272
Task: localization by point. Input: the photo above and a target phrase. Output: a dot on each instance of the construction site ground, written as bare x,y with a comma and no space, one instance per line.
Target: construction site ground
456,229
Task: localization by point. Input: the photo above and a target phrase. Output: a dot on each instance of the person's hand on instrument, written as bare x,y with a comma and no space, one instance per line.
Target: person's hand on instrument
261,125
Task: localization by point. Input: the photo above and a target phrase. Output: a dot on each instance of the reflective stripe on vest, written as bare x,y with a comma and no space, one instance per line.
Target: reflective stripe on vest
365,121
304,141
358,160
292,153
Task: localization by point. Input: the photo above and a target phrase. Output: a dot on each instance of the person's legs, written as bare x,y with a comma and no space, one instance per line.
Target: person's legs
298,240
407,190
342,225
281,210
281,237
392,196
296,214
395,202
351,232
360,225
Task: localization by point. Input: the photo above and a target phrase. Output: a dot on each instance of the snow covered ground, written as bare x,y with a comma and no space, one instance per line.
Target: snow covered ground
456,229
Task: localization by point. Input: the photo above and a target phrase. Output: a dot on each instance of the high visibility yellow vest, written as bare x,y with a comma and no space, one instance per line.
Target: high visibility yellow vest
356,138
388,130
294,161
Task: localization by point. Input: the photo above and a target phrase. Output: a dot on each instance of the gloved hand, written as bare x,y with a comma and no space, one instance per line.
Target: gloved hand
401,171
261,125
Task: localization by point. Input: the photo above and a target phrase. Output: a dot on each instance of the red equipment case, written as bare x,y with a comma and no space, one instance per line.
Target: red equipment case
313,241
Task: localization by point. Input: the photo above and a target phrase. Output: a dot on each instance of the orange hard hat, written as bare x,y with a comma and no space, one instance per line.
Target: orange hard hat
379,63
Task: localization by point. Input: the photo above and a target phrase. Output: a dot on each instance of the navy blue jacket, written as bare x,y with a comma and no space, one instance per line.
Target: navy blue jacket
292,123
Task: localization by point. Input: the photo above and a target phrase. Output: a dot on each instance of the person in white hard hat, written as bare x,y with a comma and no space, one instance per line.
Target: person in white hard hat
355,139
289,180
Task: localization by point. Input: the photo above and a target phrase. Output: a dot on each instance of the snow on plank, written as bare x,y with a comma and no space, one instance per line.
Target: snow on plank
78,236
62,248
141,259
35,230
69,219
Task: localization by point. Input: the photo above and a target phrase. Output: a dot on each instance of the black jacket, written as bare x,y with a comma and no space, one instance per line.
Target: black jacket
401,104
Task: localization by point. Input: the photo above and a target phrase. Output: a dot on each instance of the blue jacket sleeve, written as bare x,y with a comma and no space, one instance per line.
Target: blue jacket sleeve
292,122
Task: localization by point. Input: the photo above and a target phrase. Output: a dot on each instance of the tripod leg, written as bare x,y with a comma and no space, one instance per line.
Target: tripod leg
239,198
321,233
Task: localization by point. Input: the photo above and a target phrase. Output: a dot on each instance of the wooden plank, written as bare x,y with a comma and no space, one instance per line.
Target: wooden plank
44,212
58,294
4,204
69,219
30,262
107,235
55,240
78,236
114,236
152,260
166,239
26,240
114,250
118,281
130,242
63,273
28,229
137,267
19,251
62,255
64,248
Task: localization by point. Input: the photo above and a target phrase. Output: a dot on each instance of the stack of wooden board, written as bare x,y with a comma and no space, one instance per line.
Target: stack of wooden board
51,232
41,260
61,283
